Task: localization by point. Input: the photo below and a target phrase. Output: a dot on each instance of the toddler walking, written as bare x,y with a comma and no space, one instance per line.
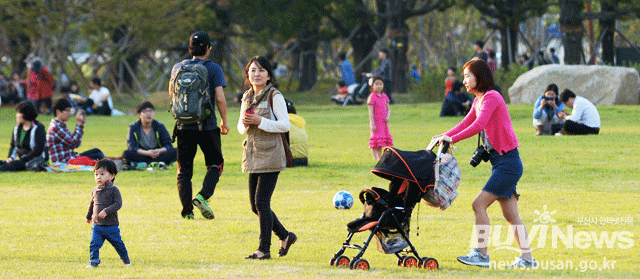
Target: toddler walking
103,212
378,104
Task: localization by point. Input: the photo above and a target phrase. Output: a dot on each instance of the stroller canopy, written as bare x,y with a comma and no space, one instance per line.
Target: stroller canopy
414,166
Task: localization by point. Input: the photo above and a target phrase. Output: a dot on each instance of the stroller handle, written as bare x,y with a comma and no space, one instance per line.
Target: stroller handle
443,148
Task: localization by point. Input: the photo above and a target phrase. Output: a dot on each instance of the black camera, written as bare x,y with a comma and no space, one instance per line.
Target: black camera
548,106
481,154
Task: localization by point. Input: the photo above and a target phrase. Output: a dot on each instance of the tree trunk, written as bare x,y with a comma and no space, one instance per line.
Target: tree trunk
571,25
398,53
308,46
218,49
362,44
608,26
220,37
20,47
508,43
132,59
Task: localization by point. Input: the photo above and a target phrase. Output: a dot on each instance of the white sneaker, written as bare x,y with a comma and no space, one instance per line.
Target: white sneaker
521,262
475,258
558,134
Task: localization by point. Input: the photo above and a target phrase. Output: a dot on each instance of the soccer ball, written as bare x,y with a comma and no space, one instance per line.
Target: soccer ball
343,200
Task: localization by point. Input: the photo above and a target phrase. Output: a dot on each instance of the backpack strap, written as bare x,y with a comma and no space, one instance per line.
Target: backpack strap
202,62
274,113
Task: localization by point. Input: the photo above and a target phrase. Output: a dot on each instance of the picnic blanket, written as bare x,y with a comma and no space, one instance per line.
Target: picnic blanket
67,168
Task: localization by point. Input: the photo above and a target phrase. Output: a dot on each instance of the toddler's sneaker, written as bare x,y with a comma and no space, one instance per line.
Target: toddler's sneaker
203,205
521,262
475,258
92,265
126,261
189,217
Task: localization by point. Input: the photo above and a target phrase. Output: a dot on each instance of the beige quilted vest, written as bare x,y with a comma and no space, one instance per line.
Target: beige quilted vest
263,151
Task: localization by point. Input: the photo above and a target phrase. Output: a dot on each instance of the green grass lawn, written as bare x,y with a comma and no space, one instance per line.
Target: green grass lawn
43,232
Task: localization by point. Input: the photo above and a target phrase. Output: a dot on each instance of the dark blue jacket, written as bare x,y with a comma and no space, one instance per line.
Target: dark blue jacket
133,140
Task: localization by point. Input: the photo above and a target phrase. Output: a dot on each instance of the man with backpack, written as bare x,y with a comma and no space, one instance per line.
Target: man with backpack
196,87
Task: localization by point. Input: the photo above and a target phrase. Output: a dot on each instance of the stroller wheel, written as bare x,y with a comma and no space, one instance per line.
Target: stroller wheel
400,260
429,263
342,261
361,264
410,261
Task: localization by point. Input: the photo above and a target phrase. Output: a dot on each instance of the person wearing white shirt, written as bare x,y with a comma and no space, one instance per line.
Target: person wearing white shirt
100,98
584,118
263,119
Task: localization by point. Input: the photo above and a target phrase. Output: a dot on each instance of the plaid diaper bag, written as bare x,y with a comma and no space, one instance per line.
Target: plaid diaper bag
447,179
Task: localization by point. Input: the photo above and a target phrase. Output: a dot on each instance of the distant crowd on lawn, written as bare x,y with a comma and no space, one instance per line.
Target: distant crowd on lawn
149,142
39,87
549,116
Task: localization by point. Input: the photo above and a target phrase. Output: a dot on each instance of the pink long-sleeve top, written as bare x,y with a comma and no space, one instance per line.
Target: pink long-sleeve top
493,118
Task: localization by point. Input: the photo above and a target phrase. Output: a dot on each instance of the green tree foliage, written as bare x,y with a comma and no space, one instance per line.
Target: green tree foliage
507,15
113,29
394,14
280,20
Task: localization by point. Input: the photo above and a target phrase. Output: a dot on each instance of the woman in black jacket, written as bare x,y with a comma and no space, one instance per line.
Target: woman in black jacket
28,140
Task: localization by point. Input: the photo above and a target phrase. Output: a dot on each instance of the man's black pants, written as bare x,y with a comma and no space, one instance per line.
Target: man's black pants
188,142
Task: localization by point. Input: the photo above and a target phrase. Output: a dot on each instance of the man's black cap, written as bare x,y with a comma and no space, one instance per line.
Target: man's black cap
199,39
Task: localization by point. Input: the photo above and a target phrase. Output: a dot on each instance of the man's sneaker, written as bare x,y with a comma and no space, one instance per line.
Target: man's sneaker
475,258
524,263
203,205
189,217
92,265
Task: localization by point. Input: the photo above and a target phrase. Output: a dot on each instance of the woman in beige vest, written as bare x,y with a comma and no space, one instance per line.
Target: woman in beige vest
263,117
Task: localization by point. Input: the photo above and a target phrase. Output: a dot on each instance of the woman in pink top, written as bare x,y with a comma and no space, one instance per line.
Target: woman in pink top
490,119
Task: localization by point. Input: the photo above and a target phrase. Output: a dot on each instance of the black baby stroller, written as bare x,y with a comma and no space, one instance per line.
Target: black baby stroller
387,213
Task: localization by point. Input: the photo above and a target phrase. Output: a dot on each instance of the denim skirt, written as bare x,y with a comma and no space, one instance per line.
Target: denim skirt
506,171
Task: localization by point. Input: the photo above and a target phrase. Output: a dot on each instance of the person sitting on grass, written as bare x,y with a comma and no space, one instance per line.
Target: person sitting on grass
28,140
584,118
298,139
343,92
456,103
98,101
545,112
60,141
148,140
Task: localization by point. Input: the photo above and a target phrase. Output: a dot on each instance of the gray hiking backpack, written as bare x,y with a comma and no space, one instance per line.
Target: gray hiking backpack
191,103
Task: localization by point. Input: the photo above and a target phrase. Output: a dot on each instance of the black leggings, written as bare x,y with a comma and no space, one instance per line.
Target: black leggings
261,186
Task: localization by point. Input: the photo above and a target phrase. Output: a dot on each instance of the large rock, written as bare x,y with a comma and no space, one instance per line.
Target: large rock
602,85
